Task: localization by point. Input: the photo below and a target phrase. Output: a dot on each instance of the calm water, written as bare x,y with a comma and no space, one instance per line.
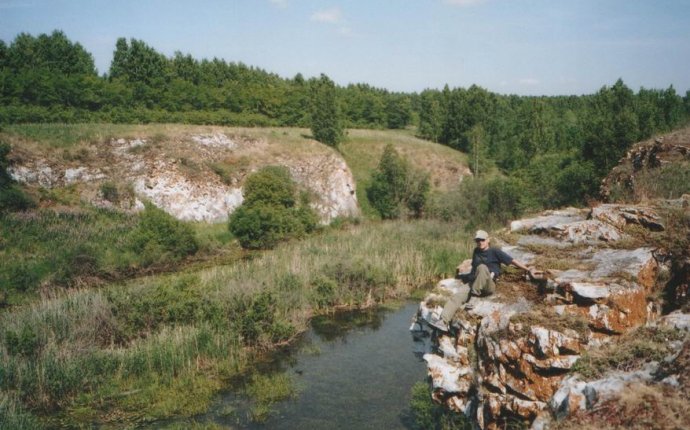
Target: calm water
353,371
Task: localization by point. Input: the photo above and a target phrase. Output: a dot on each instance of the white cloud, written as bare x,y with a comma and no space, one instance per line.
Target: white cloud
14,4
463,3
330,16
279,3
528,81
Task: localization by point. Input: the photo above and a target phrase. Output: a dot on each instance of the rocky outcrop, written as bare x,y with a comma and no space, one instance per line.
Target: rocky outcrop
672,149
509,356
182,176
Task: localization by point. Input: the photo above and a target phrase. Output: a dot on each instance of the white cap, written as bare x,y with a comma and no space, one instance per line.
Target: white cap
481,234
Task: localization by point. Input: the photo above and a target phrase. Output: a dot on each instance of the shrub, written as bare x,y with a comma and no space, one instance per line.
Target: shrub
12,198
159,235
110,192
360,278
262,226
24,343
481,202
256,320
272,185
323,292
21,276
269,213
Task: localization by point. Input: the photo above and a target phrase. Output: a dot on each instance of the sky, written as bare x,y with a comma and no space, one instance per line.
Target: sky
524,47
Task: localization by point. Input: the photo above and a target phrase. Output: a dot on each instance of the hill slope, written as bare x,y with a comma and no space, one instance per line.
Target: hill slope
197,173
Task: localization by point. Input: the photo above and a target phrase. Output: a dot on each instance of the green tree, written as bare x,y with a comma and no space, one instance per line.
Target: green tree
325,117
398,111
477,138
611,125
430,115
396,188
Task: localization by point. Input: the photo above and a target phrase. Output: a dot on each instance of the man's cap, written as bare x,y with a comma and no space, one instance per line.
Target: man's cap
481,234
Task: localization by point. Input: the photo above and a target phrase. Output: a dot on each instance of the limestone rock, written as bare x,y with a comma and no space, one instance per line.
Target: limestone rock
218,140
183,177
622,215
589,231
549,221
520,370
677,320
189,200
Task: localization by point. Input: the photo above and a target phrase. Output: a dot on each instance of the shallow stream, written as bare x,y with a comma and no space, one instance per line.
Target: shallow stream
354,370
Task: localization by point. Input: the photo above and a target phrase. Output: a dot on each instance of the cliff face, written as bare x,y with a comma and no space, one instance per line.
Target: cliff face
195,177
512,356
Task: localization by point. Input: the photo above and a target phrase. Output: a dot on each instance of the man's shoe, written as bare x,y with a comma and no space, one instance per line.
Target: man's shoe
439,324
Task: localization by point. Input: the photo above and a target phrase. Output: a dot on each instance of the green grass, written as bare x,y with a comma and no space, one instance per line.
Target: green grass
362,150
164,345
86,246
265,390
66,136
61,247
427,414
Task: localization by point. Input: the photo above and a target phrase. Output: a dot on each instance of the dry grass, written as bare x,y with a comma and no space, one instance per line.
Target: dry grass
545,316
639,406
631,351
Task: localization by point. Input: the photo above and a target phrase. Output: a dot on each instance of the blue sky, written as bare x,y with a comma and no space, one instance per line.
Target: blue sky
527,47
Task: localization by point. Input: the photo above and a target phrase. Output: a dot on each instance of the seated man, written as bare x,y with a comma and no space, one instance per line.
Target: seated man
486,267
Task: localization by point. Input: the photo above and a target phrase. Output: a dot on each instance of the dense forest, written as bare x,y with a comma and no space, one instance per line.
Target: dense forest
554,149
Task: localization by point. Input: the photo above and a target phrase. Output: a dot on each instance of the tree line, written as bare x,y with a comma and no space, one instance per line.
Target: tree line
554,149
49,78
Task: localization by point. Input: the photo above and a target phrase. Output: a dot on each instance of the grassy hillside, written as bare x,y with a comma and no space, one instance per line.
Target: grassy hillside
363,148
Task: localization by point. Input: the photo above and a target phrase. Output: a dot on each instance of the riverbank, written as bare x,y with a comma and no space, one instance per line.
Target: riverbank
163,346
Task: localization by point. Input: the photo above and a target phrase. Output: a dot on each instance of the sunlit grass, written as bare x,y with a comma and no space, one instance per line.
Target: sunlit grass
163,345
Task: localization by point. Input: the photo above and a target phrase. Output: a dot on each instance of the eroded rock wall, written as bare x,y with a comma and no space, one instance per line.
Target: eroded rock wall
179,176
509,356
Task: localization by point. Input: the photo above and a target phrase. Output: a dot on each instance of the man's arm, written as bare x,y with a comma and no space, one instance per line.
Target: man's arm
519,265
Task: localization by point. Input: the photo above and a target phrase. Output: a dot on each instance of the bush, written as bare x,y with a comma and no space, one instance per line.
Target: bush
323,292
256,320
481,202
269,213
12,198
159,236
272,185
110,192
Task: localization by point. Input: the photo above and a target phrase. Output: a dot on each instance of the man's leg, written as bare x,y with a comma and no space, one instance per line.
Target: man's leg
454,303
483,284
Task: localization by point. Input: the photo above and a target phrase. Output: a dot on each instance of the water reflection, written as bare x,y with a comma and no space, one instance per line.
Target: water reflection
338,326
352,370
